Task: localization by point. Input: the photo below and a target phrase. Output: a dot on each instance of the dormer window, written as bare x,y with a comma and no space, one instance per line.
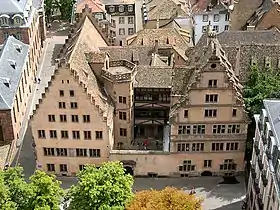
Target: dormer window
17,19
112,9
4,20
12,63
130,8
121,8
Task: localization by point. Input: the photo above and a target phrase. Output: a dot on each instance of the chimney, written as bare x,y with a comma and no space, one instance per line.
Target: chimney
158,23
156,47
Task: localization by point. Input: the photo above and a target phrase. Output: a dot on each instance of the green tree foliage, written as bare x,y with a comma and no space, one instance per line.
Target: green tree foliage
65,7
166,199
106,188
262,84
42,193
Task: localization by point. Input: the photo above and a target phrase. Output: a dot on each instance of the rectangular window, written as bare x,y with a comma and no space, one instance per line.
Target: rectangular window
94,152
130,31
121,31
205,18
211,98
75,118
87,135
63,118
197,147
204,29
74,105
122,115
216,28
71,93
53,134
61,105
184,129
76,134
234,112
186,113
50,168
210,113
41,134
48,151
198,129
98,135
233,129
61,152
51,117
123,132
63,167
61,93
216,18
183,147
187,166
212,83
121,20
231,146
81,152
86,118
226,27
217,146
64,134
122,100
130,20
217,129
207,163
227,17
81,167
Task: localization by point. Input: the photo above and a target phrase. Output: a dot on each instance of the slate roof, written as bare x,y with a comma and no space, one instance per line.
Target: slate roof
9,76
260,12
12,6
153,77
273,111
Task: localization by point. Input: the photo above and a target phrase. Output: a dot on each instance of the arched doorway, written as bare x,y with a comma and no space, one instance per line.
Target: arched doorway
129,170
206,173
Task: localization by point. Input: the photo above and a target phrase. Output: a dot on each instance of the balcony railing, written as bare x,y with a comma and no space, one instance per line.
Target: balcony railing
264,179
260,164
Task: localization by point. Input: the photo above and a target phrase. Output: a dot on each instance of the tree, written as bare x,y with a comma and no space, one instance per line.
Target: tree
105,188
166,199
42,193
65,8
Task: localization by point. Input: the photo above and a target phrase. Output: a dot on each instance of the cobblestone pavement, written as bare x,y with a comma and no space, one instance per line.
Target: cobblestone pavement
216,196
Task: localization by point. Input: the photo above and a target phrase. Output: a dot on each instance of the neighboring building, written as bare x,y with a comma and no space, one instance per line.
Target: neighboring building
24,20
127,17
241,12
265,17
215,13
263,184
246,48
16,82
73,122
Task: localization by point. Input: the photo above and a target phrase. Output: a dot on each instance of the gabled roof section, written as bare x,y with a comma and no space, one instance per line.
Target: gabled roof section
95,5
12,62
165,37
185,78
12,6
84,38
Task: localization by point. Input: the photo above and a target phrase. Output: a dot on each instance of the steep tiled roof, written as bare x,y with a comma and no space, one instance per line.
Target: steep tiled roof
164,36
12,63
12,6
242,46
95,5
142,54
243,10
153,77
164,9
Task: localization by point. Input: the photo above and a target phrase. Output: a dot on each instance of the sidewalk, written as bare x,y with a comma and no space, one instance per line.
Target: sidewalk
45,70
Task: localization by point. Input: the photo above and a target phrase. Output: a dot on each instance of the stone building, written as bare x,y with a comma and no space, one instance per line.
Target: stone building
16,82
263,184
